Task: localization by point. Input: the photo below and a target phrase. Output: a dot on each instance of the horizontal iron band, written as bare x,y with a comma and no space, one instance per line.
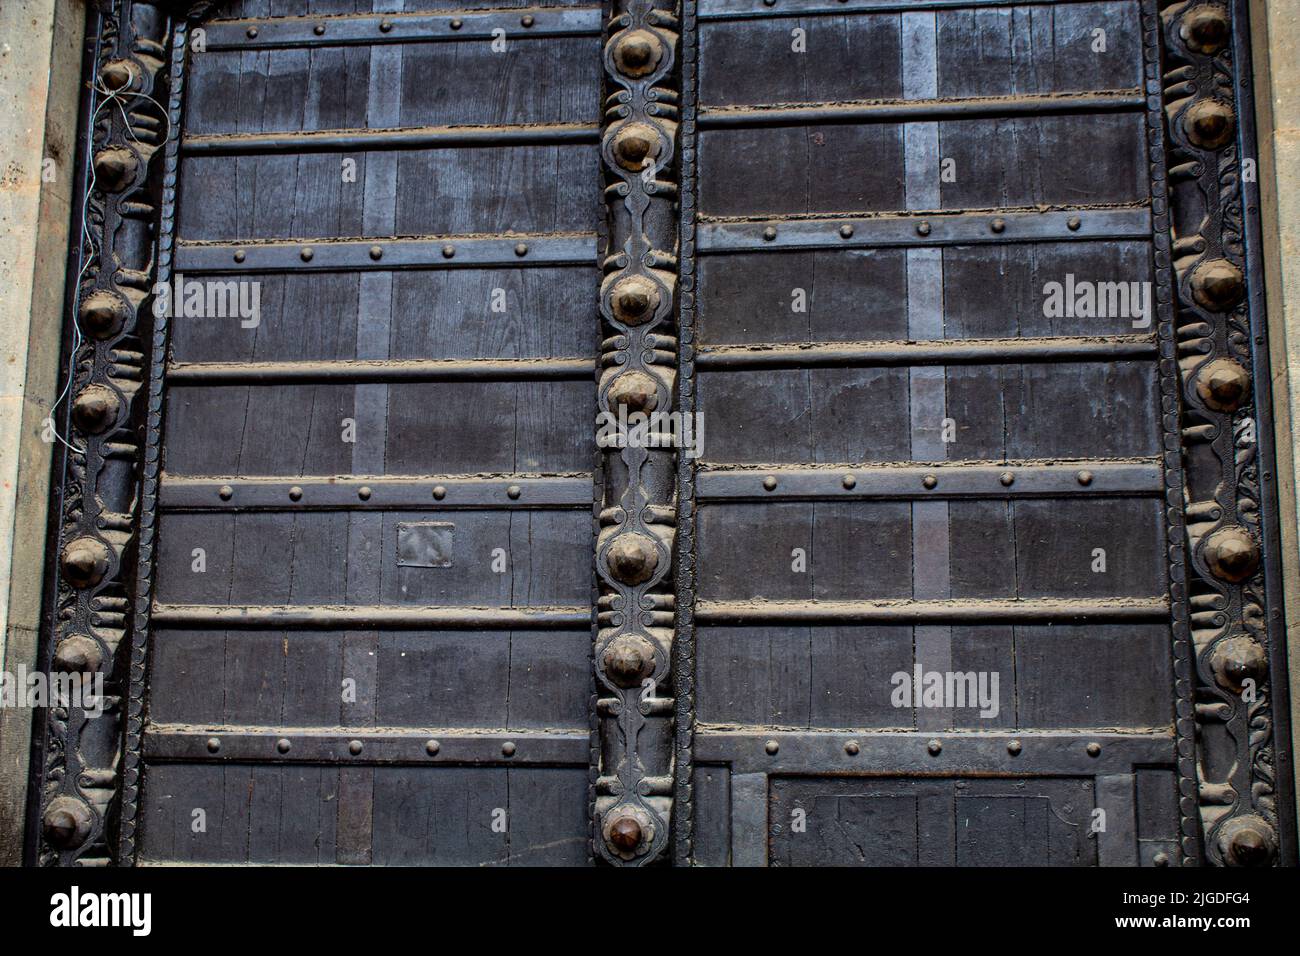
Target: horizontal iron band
895,754
399,28
1028,611
174,742
346,255
734,358
378,371
422,137
189,493
967,227
906,111
311,617
752,9
948,480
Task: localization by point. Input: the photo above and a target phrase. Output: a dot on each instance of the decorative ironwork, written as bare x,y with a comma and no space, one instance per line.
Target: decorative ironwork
85,761
635,541
1228,789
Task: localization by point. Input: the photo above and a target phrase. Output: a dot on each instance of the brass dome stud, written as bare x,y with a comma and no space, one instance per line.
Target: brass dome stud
634,144
1210,124
78,654
103,313
634,300
1231,554
638,53
629,659
1217,285
95,409
1247,840
1223,384
115,168
632,558
1236,660
635,390
1205,29
85,561
67,822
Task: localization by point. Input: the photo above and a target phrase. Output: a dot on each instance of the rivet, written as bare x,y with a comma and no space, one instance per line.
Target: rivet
769,233
848,481
295,493
354,748
629,659
929,481
998,225
103,313
78,654
769,3
118,74
521,249
439,492
625,834
307,253
846,231
455,24
772,747
1217,285
1231,554
385,26
225,492
632,558
251,33
115,168
513,492
364,492
638,53
319,29
1007,479
448,251
1161,859
1013,748
376,252
95,409
634,299
1223,384
213,745
283,745
1205,29
1237,660
851,748
1084,478
527,21
240,255
1210,124
67,822
934,746
1094,749
85,561
508,749
1073,223
923,228
432,747
770,482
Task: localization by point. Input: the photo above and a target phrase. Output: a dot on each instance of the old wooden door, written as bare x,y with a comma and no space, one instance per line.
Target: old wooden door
950,539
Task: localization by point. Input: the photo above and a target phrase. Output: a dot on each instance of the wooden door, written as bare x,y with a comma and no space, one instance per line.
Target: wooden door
960,545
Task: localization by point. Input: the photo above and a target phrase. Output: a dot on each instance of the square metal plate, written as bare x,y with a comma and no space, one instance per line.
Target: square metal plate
424,544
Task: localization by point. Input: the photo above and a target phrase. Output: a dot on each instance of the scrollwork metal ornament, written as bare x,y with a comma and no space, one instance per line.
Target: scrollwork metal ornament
132,128
1229,793
635,612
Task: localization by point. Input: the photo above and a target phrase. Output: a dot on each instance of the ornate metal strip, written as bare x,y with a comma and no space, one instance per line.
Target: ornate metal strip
373,29
684,642
964,227
132,145
817,752
635,543
1229,792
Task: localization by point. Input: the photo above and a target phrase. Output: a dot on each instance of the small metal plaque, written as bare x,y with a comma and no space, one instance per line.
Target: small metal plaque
424,544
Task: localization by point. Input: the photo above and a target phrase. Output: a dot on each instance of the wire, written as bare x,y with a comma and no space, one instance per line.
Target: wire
111,97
